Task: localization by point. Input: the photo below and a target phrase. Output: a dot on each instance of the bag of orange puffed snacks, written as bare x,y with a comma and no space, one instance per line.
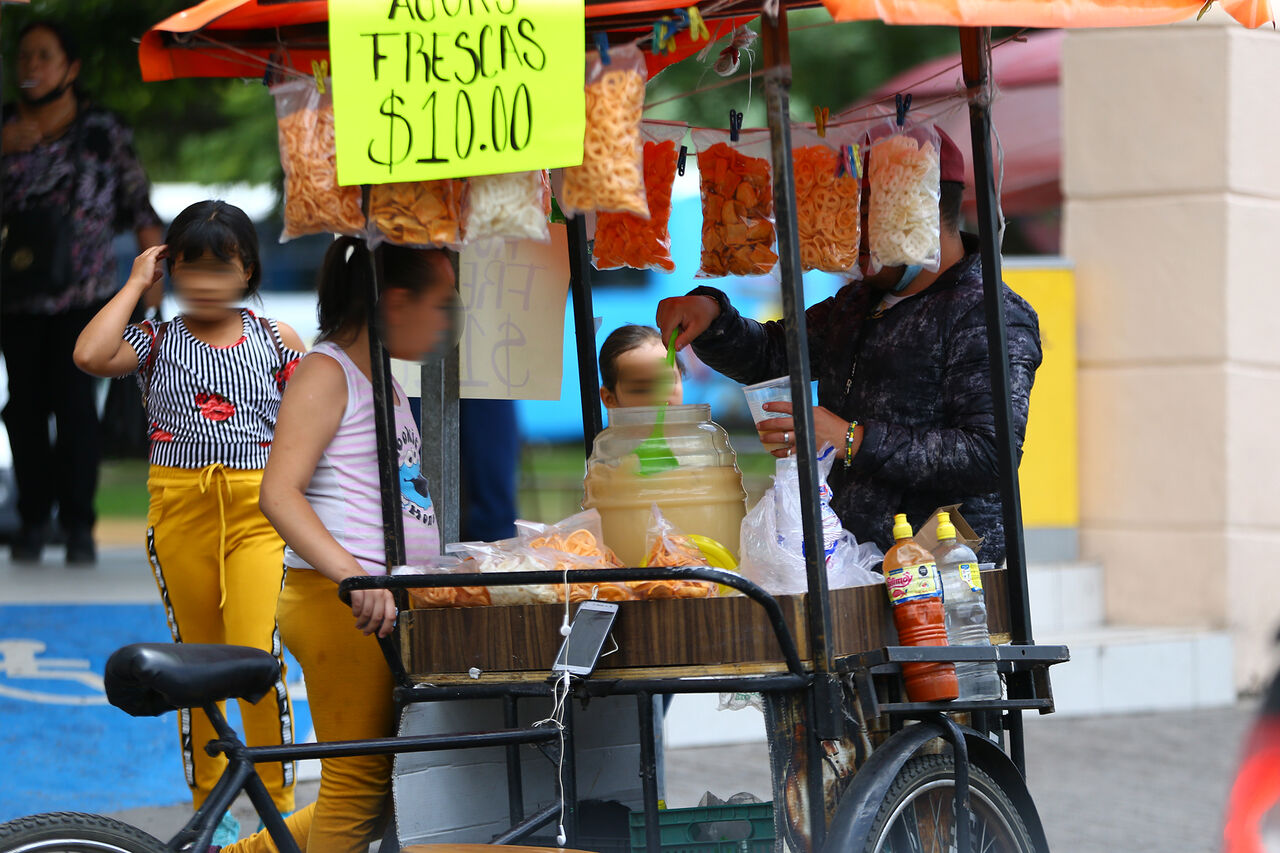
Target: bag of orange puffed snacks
418,213
828,195
627,240
737,204
611,177
313,201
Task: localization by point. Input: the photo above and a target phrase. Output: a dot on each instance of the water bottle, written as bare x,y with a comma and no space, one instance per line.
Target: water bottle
966,611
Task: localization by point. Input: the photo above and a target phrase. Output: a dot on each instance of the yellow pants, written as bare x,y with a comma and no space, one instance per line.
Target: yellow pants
218,565
349,691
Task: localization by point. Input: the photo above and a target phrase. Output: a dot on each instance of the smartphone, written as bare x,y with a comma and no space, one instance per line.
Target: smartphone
581,649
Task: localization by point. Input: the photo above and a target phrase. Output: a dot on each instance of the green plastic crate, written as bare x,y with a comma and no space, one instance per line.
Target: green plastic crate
684,830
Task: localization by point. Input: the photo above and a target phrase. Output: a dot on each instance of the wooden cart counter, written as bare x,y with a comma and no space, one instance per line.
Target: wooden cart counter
715,636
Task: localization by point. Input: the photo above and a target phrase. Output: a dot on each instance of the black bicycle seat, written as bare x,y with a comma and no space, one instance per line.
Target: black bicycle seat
150,679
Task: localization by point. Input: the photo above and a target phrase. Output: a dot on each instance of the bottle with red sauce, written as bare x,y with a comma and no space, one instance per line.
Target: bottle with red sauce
915,591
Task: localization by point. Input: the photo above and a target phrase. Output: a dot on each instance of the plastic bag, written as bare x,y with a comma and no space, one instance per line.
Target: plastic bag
828,194
507,556
421,213
904,170
510,207
666,546
444,596
627,240
575,543
772,546
737,204
313,201
611,177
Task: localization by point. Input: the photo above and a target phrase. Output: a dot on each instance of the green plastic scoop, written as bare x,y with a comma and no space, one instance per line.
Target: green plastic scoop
655,455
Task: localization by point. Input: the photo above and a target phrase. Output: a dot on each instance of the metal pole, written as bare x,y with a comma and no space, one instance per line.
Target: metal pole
441,457
384,416
975,44
584,331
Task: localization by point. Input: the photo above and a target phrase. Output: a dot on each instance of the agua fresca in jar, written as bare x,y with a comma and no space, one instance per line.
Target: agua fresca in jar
703,494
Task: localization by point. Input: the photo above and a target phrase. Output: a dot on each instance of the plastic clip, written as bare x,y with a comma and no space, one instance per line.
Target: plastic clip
845,166
735,125
682,160
855,154
320,70
820,116
697,26
903,104
602,46
664,36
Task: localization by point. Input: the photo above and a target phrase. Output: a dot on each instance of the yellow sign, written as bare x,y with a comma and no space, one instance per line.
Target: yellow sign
426,89
512,346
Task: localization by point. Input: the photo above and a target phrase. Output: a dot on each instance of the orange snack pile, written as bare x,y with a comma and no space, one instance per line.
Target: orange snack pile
313,201
627,240
581,550
737,203
420,213
672,550
826,210
611,177
450,596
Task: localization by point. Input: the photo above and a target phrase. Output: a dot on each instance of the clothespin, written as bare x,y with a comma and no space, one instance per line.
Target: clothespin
735,125
271,74
664,36
844,167
855,155
903,104
820,116
602,46
681,160
320,70
697,26
682,19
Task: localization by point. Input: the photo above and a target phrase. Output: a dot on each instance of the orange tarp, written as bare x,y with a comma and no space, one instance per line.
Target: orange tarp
1042,13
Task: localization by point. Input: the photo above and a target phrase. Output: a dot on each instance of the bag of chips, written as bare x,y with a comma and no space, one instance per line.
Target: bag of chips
420,213
666,546
313,201
904,171
828,195
509,207
737,204
627,240
611,177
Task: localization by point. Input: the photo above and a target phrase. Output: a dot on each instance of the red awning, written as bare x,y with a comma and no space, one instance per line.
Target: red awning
1042,13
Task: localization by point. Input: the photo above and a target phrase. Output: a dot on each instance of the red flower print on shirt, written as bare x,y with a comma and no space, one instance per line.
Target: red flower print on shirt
284,374
158,434
215,407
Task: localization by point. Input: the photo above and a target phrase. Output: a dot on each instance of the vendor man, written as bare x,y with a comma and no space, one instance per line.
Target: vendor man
903,380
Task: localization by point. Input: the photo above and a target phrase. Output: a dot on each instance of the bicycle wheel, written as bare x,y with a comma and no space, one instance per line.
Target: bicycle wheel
71,832
918,813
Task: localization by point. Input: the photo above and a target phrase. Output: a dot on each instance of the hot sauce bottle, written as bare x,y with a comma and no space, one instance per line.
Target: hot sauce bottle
915,591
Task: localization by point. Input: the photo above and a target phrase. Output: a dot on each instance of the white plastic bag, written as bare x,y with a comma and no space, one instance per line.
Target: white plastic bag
772,545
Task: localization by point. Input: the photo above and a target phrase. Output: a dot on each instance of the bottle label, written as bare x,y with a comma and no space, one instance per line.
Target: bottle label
970,574
913,583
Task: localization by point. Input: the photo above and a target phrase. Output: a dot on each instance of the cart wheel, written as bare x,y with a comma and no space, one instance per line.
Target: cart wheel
918,813
70,832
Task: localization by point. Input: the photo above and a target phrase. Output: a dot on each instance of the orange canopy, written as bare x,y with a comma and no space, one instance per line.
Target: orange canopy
1042,13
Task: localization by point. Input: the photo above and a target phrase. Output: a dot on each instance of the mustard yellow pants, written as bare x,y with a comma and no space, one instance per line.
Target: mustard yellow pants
349,692
218,565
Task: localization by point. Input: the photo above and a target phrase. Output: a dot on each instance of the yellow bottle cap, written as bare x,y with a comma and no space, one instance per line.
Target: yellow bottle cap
946,530
901,527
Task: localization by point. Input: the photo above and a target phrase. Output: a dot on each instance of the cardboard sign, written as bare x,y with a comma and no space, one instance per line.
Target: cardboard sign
512,345
427,89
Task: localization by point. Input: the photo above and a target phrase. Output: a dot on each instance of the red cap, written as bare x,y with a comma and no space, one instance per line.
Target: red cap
952,161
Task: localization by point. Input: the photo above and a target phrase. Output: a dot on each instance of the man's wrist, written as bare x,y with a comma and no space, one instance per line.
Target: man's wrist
852,441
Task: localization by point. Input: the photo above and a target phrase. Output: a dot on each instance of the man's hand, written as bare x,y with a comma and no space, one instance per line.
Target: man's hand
20,135
692,314
828,428
375,611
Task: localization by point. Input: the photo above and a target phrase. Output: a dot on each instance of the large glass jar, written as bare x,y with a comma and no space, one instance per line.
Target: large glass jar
702,495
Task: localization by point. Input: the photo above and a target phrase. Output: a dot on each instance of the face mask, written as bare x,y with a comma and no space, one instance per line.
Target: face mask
48,97
908,275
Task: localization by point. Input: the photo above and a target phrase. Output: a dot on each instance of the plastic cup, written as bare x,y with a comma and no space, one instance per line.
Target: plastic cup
772,391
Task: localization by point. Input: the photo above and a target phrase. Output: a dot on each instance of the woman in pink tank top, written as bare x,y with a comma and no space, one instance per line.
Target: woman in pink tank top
321,491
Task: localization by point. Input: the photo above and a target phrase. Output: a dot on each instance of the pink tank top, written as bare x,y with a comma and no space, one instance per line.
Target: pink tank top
344,490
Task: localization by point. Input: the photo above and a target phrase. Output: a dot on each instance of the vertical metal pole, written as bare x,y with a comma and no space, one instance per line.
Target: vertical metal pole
649,773
975,59
584,331
515,773
441,462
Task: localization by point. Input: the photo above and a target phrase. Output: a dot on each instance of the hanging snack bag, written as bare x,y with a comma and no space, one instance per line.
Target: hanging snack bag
666,546
828,193
737,204
513,206
420,213
611,177
575,543
627,240
905,175
313,201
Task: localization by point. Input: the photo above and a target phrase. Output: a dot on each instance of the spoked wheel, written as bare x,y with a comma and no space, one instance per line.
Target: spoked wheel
918,813
70,832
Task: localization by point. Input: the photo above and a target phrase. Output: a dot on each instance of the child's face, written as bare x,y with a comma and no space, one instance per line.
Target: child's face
415,323
208,286
639,371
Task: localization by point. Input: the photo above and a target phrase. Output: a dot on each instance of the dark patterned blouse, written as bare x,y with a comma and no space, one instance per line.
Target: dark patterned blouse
106,192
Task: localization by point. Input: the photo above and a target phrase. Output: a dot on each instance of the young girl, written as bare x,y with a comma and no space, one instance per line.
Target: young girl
630,362
212,380
321,490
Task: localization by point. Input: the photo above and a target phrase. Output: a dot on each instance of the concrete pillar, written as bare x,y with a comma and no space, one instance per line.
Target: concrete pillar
1172,221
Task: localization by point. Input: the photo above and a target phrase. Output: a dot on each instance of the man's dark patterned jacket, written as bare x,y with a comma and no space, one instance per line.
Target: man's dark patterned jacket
918,381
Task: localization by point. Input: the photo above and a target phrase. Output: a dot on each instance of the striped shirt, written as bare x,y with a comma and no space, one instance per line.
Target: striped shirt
207,404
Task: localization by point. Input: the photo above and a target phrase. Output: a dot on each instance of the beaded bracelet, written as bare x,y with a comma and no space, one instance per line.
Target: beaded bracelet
848,444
